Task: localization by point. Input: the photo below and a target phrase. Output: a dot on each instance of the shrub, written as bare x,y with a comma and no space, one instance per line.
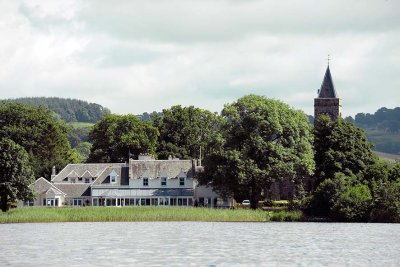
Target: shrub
354,204
386,204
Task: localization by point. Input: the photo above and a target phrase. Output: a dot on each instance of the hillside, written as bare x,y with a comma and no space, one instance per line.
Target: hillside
382,128
68,110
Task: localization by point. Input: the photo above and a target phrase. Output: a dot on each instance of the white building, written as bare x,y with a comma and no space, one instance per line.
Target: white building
143,182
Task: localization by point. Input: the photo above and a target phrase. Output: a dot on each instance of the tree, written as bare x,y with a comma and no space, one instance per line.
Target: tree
39,133
377,170
15,174
340,147
386,201
264,140
394,172
184,131
116,136
353,204
342,198
83,151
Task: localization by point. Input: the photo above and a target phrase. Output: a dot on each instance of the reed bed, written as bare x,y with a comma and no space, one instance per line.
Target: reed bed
137,214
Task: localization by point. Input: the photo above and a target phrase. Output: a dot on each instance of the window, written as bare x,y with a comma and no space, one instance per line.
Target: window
73,180
113,177
28,203
77,202
181,181
87,180
145,181
163,181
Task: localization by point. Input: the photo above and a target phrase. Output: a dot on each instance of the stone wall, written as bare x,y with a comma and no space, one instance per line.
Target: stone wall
329,106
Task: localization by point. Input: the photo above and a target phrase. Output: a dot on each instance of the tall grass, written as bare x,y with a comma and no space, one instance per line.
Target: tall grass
123,214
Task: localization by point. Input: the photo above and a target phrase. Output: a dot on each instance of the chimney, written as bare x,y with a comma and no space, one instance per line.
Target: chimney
53,172
145,157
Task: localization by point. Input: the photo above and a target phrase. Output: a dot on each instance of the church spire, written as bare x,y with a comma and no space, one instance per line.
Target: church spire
327,101
327,88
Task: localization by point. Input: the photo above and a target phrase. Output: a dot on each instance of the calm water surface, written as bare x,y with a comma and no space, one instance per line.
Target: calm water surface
199,244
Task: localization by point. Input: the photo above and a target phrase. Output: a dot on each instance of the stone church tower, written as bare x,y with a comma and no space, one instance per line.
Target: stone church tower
327,101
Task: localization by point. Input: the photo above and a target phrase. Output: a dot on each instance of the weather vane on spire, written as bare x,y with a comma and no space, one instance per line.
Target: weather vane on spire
329,58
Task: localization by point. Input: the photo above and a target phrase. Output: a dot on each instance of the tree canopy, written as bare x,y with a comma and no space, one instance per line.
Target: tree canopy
39,133
116,136
15,174
340,147
186,130
264,141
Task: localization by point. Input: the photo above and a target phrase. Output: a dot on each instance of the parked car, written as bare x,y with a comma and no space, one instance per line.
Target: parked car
246,202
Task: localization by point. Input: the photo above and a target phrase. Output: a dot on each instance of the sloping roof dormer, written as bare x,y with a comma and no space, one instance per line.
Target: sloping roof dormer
145,174
182,173
113,177
73,174
87,174
163,173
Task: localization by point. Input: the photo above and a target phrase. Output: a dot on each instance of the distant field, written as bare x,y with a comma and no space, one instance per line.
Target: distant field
383,141
80,124
390,157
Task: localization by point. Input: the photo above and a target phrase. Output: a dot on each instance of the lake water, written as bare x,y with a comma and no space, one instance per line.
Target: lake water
199,244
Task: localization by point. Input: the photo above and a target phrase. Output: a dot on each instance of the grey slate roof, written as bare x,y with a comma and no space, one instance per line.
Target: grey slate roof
122,178
41,186
74,190
156,168
327,88
101,173
81,170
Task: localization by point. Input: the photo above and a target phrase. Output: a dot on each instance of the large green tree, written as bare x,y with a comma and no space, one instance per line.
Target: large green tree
39,133
185,131
264,140
340,147
115,136
15,174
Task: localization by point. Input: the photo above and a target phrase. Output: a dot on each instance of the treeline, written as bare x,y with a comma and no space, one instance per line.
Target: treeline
382,128
68,110
44,138
384,119
256,141
351,183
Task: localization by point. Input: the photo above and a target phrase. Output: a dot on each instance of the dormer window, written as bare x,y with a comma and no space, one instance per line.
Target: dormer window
113,177
73,180
163,181
181,181
87,180
145,181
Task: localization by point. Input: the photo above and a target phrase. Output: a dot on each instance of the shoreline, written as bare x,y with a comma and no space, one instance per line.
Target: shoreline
143,214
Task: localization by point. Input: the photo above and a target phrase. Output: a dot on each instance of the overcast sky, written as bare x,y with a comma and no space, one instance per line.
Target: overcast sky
138,56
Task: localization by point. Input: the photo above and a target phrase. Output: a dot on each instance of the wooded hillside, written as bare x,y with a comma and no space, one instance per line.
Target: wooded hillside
68,110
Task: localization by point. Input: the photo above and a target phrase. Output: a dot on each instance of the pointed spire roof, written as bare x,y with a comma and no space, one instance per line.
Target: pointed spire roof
327,88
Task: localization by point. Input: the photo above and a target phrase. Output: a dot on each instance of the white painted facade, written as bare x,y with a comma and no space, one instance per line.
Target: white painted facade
144,182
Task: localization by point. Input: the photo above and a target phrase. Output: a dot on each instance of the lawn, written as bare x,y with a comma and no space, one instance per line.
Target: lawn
124,214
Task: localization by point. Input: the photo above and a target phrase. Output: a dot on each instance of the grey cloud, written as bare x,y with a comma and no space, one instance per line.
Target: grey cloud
213,21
